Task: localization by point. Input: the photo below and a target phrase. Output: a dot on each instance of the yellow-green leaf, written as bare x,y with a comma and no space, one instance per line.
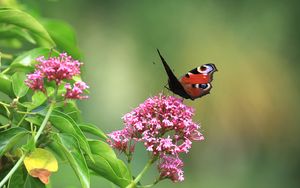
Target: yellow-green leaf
40,163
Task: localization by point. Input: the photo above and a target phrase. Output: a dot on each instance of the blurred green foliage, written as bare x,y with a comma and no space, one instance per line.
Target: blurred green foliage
250,119
31,120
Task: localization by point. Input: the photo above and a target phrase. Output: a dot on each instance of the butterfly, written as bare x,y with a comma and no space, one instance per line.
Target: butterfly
195,84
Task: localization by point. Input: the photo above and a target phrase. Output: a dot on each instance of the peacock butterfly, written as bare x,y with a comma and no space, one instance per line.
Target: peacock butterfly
195,84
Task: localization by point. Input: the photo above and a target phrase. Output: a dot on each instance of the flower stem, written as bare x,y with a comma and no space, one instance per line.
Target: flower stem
38,134
36,137
22,112
5,126
150,185
140,175
4,104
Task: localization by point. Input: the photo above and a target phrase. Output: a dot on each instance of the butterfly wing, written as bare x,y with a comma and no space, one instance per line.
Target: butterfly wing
174,85
199,75
197,81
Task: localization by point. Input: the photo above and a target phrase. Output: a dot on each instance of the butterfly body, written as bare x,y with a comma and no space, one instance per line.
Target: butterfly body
194,84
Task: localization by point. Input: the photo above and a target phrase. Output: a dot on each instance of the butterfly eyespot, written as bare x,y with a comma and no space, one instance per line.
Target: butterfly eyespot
203,68
206,69
203,86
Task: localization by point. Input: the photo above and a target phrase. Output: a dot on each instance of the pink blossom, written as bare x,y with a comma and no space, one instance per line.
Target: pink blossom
119,139
171,167
58,68
35,81
164,125
185,146
77,90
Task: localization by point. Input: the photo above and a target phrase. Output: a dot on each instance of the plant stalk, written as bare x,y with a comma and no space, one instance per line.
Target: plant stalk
140,175
150,185
38,134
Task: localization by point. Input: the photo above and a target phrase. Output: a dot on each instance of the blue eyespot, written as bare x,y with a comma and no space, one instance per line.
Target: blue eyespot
203,86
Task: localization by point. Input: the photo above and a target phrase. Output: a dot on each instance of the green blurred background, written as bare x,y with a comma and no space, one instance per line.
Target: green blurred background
251,118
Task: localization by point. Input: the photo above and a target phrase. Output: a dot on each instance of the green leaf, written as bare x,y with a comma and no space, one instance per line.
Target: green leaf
55,148
10,3
108,165
18,178
37,99
92,129
33,183
64,36
71,109
10,31
66,124
36,120
69,145
10,137
30,145
4,111
18,83
26,61
5,85
26,21
12,43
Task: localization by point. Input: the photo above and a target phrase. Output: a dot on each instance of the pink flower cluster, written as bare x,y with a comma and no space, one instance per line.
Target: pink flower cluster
57,69
77,90
164,125
171,167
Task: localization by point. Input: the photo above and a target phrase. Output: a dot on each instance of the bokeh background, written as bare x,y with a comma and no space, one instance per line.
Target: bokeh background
251,118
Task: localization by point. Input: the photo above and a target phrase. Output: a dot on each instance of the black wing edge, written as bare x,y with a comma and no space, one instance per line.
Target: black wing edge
171,75
174,85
